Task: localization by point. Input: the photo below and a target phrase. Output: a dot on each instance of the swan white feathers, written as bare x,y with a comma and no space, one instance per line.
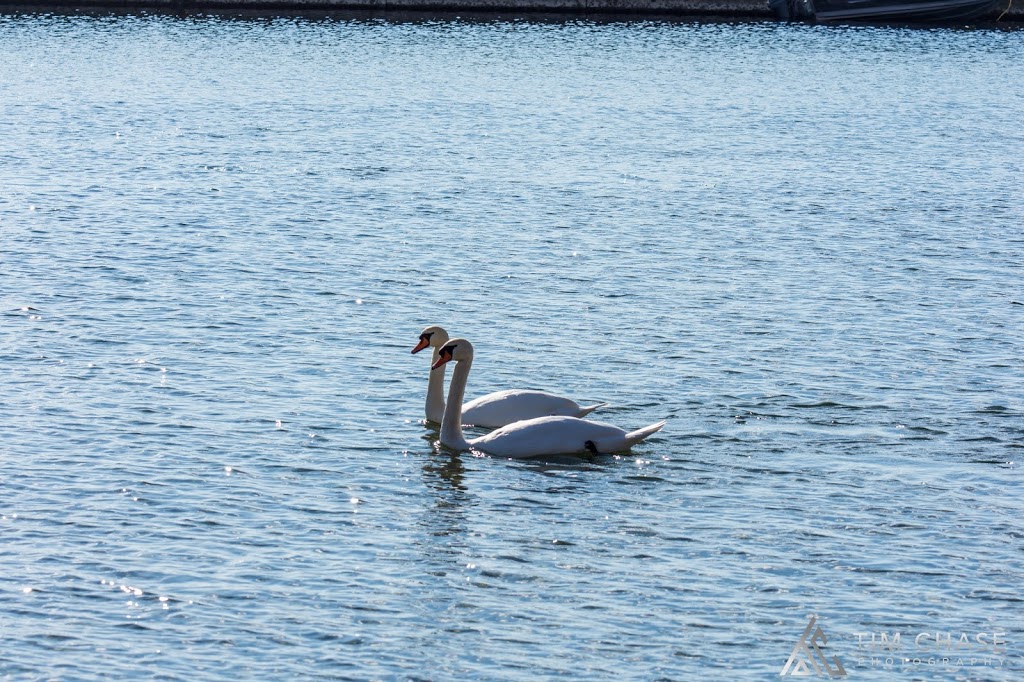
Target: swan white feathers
494,409
532,437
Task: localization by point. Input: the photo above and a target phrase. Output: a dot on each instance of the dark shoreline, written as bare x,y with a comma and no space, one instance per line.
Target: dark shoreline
418,10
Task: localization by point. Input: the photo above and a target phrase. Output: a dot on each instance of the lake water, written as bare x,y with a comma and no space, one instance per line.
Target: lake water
801,245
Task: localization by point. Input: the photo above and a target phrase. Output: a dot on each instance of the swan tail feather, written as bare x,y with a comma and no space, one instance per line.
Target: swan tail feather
634,437
584,411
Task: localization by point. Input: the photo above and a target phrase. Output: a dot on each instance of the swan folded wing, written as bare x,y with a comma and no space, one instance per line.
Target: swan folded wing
508,407
551,436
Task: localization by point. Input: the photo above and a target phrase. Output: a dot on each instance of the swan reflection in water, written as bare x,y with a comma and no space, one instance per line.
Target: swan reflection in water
444,469
443,519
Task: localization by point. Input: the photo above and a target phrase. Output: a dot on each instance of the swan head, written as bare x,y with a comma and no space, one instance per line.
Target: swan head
456,349
433,337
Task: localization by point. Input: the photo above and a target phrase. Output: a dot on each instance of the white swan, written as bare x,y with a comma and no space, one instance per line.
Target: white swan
494,409
530,438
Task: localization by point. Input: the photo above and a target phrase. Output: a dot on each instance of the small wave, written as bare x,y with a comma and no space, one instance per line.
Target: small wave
994,409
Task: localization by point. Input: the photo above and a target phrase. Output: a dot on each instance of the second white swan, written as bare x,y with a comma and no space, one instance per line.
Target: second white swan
494,409
532,437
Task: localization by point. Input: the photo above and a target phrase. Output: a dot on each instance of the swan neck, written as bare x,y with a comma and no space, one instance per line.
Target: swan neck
451,425
435,390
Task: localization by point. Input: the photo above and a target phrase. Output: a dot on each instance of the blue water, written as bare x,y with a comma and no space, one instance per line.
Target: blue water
219,240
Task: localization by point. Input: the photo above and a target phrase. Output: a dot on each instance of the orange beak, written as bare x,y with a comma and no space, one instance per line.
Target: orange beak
421,345
445,357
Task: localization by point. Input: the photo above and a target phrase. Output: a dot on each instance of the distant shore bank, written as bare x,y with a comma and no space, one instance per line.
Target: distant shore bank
1011,12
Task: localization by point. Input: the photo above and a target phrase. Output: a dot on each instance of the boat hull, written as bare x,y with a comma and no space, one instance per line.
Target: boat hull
883,10
879,10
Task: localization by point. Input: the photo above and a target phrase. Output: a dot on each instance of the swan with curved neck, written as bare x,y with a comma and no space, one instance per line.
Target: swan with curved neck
532,437
494,409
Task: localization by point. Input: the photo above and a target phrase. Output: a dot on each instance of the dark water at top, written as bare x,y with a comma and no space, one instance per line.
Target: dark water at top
220,238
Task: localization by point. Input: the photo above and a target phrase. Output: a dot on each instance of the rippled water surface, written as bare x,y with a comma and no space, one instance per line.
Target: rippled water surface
802,246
